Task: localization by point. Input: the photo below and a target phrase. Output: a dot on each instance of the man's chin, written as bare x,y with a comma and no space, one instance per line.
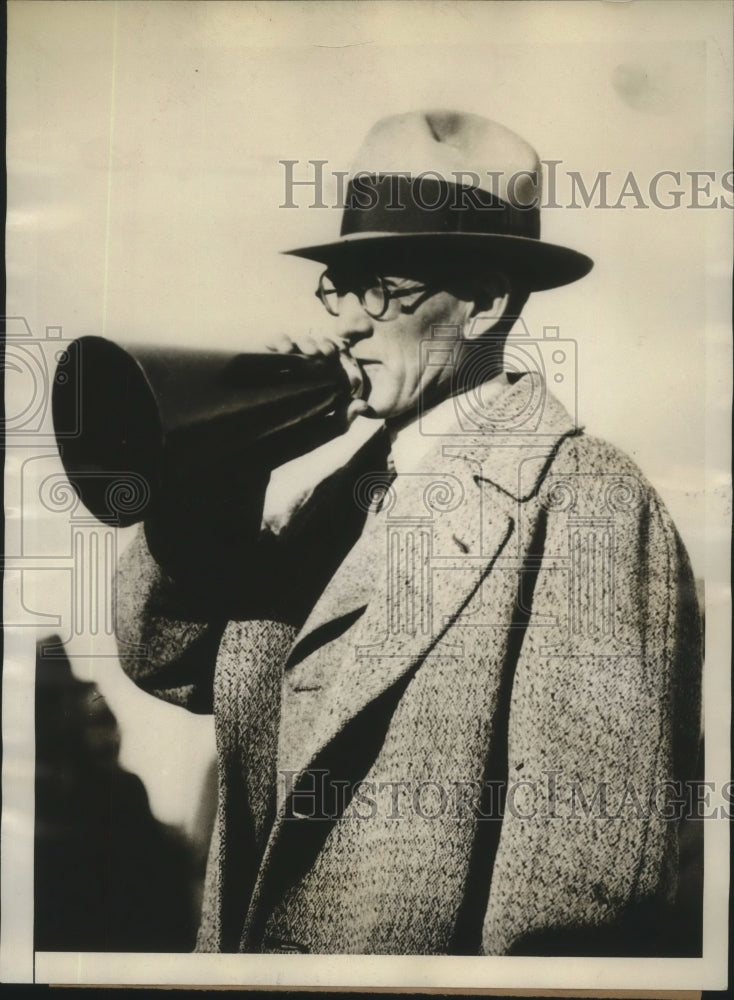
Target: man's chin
381,401
378,402
380,406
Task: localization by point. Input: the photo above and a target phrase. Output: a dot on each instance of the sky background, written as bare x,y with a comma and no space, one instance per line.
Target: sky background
144,142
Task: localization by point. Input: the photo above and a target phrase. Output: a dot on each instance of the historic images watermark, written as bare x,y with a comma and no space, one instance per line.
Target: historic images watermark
316,794
58,541
312,184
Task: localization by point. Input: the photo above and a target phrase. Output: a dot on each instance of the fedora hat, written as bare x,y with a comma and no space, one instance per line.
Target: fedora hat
447,188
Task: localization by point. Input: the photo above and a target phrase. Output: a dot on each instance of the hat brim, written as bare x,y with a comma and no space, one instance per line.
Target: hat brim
537,264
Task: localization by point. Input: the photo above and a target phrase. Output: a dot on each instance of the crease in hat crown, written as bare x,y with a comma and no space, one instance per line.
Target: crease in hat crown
439,186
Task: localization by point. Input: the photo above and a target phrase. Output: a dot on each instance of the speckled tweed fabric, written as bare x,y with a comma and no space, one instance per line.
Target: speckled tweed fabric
520,612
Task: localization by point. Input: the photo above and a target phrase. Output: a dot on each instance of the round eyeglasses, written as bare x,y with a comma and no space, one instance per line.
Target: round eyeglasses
375,295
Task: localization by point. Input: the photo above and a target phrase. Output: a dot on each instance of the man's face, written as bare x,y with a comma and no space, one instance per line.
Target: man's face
388,349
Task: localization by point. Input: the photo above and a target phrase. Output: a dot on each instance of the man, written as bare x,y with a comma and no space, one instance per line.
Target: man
461,678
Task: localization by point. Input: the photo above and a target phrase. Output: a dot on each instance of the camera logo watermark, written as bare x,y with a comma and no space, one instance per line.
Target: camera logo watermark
56,547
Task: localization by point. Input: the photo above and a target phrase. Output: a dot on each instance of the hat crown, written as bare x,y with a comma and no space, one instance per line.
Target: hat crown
459,147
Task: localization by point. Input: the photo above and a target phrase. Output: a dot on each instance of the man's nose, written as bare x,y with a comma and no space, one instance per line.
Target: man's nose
353,322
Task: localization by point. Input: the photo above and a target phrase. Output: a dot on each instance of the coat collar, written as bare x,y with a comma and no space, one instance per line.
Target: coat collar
513,441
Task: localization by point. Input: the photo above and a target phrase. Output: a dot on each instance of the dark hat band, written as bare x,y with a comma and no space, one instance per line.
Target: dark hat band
399,203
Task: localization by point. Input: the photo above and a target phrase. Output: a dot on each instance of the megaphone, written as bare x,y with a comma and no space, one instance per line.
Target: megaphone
153,423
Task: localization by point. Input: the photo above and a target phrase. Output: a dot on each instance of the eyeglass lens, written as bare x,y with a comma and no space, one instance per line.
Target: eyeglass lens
372,294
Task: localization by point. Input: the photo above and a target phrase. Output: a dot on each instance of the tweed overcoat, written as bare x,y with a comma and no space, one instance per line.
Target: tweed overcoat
468,745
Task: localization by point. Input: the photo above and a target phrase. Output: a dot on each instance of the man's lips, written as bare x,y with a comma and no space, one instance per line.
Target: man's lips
365,365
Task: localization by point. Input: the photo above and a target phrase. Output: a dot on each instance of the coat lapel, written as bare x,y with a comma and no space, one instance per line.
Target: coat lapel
416,565
348,592
412,572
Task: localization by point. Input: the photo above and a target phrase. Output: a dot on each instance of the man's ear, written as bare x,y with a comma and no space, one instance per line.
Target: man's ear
491,299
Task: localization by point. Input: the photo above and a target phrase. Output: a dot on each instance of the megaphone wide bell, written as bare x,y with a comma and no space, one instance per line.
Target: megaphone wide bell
151,421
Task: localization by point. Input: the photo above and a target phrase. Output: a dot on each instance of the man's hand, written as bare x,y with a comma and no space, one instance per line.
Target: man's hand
310,344
293,484
322,345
